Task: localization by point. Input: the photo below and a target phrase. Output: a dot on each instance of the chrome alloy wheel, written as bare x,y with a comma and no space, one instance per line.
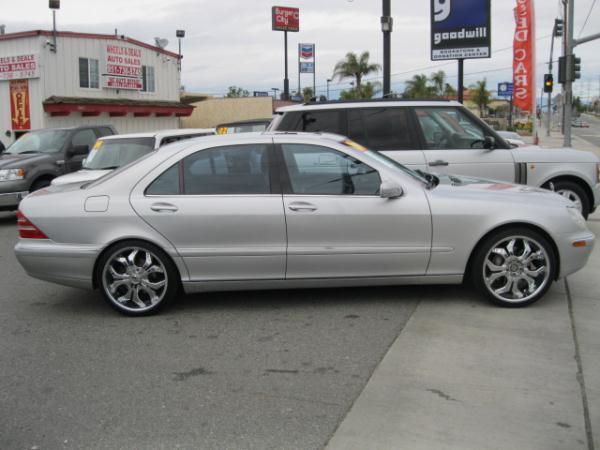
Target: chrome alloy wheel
516,269
134,279
573,197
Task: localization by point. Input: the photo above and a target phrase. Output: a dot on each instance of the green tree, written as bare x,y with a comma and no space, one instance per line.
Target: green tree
356,67
481,96
439,82
418,87
237,92
307,93
449,91
367,90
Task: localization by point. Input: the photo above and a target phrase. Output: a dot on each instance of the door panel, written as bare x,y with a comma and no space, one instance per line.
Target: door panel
216,207
454,144
338,226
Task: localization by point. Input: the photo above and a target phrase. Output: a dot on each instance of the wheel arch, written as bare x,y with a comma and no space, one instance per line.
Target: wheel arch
42,176
111,245
574,179
506,226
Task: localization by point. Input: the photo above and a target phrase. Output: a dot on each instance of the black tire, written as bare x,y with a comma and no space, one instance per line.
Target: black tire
479,269
577,190
39,184
137,284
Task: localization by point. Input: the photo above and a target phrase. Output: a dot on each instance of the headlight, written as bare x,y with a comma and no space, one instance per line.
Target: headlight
577,217
11,174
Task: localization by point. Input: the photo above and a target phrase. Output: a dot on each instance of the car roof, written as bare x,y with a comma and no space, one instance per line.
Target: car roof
366,104
245,122
161,133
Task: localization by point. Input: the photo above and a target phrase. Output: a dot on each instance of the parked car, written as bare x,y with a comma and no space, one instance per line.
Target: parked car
512,138
111,152
38,157
445,137
579,123
290,210
244,126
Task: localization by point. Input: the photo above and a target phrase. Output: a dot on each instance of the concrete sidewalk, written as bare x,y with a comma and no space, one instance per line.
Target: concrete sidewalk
467,375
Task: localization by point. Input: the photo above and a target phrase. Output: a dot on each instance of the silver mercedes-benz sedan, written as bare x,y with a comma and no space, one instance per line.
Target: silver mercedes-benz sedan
293,210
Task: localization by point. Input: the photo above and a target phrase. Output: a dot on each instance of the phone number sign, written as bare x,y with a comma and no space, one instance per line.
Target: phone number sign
19,67
122,67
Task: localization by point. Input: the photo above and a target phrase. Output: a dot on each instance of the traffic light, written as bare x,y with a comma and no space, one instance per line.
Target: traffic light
562,69
559,26
575,68
548,83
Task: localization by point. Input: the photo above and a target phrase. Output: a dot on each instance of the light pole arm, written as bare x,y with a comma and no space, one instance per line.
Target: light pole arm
589,38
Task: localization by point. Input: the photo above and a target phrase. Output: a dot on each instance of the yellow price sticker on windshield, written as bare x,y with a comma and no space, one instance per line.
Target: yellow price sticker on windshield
97,145
354,145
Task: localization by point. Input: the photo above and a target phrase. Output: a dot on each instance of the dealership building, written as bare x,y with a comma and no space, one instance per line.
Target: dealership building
50,80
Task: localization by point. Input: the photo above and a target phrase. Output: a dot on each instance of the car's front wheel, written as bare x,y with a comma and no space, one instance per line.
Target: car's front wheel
137,278
514,267
575,193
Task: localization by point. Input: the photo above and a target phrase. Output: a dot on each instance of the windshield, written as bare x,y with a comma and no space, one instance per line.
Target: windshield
44,141
114,153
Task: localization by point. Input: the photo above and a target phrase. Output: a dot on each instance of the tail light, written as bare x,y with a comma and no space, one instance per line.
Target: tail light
28,230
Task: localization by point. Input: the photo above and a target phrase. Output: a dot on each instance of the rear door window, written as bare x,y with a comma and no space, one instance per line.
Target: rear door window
328,121
382,128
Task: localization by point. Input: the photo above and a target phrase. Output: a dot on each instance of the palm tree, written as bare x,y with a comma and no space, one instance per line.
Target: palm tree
367,90
481,96
418,88
449,91
356,67
439,81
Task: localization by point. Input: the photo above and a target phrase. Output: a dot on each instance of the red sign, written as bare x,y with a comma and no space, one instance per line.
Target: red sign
19,105
286,18
19,67
122,67
524,56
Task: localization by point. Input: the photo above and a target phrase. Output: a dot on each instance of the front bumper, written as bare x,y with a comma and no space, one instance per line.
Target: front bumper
574,258
10,200
66,264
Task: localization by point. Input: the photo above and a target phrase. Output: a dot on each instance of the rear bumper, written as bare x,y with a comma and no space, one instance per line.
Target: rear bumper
66,264
10,200
573,258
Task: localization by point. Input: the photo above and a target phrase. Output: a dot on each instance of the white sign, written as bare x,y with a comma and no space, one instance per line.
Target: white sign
122,67
19,67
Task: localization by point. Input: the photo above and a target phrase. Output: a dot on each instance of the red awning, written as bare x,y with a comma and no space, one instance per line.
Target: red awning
63,106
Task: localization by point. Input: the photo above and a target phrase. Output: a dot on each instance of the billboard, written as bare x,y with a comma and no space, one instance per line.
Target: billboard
460,29
505,89
307,67
20,114
19,67
286,18
122,67
306,51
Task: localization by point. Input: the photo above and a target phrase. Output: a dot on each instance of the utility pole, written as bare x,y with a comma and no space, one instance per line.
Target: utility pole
568,86
386,27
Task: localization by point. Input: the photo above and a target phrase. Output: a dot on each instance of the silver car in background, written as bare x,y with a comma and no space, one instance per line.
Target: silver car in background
111,152
294,210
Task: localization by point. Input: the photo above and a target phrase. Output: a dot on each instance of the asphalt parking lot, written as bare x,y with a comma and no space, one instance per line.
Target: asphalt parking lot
229,370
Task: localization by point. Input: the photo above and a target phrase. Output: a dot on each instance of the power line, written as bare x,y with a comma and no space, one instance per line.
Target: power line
587,18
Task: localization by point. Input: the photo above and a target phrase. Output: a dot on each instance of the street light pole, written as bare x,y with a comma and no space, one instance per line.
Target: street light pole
568,86
386,27
274,93
328,81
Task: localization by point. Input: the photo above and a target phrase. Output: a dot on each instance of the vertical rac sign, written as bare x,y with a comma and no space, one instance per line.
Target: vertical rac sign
524,56
285,18
460,29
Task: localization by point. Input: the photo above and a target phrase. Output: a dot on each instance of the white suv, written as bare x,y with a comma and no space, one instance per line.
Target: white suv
445,137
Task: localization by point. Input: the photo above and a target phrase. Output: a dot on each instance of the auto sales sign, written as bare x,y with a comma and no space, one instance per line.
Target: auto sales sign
460,29
20,67
285,18
122,67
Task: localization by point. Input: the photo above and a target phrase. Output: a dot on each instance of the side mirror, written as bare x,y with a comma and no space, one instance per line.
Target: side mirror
78,150
489,143
390,190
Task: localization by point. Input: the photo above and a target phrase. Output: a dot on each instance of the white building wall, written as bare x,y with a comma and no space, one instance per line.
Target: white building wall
59,76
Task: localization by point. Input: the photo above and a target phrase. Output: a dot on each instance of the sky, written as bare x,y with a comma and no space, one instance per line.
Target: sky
230,42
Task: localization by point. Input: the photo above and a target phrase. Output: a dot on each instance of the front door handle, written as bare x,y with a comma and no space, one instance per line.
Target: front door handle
302,206
438,162
163,207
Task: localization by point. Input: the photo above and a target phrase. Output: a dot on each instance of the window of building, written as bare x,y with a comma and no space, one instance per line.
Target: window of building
89,75
148,84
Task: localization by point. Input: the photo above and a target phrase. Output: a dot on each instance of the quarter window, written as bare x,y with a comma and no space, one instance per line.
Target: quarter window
89,75
449,129
381,128
320,170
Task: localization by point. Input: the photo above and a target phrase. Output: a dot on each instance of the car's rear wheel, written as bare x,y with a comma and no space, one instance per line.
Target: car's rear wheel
137,278
575,193
514,267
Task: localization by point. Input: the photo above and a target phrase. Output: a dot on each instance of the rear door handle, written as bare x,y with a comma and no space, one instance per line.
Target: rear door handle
439,162
163,207
302,206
